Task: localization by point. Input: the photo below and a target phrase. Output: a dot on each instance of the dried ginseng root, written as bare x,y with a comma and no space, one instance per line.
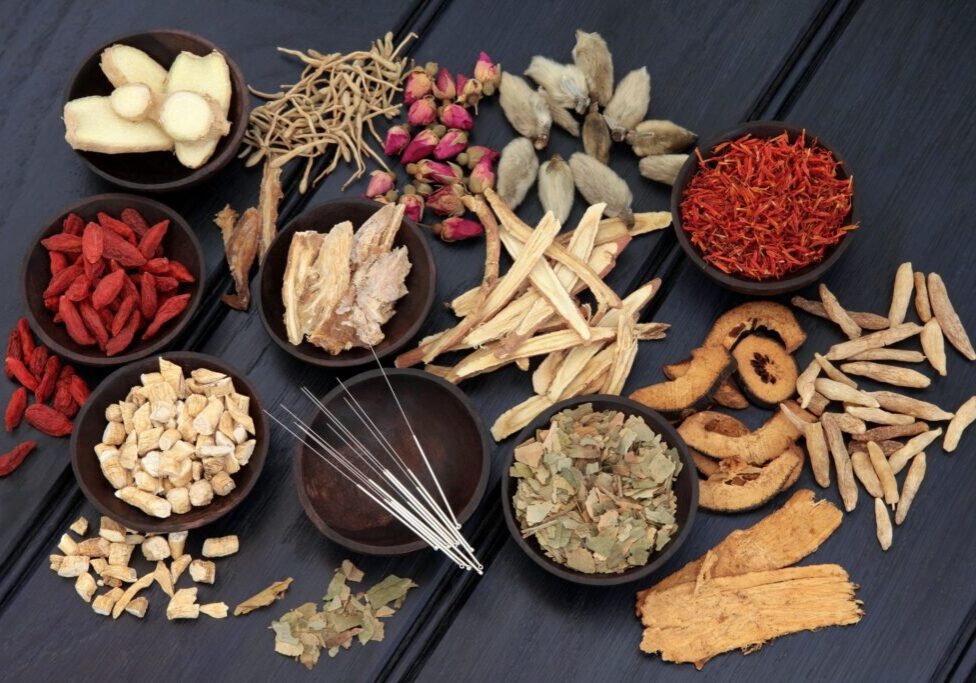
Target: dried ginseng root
912,447
922,305
883,523
913,480
842,463
948,318
875,340
902,294
865,473
957,425
838,314
933,344
868,321
888,374
885,476
818,452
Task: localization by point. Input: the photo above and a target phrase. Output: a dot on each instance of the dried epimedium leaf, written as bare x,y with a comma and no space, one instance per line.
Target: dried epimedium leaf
275,591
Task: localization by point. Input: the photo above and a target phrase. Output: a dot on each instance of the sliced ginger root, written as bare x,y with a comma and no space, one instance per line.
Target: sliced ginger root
123,64
189,117
132,101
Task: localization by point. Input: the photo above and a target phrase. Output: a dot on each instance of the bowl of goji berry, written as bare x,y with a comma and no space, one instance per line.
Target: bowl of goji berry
113,278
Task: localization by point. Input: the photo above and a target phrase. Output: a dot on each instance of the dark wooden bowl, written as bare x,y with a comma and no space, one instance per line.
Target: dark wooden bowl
792,281
160,171
411,310
686,490
447,425
90,423
180,244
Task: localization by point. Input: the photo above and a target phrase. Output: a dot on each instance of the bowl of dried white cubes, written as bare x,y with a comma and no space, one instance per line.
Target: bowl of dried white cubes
170,443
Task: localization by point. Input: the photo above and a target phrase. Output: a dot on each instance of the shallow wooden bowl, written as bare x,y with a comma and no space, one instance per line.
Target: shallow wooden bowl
445,422
685,487
90,423
179,244
160,171
792,281
411,310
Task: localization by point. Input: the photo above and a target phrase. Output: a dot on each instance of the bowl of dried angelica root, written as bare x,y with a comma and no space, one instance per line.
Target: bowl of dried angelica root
601,490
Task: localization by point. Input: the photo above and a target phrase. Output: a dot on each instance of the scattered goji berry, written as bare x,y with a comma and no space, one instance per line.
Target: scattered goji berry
45,386
108,288
79,389
134,220
121,341
157,266
118,249
63,401
69,244
19,371
180,272
148,296
92,242
122,315
168,310
151,241
15,409
37,361
26,338
51,303
58,261
108,315
117,226
78,290
73,224
167,284
61,280
47,420
73,323
93,321
12,459
14,349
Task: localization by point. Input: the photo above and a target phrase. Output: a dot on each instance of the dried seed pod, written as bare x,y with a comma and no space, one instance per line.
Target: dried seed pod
883,470
656,136
598,183
883,523
556,189
865,473
805,387
842,463
838,314
516,171
596,136
525,109
662,168
832,372
629,104
933,345
901,294
879,416
837,391
817,449
913,480
947,317
912,447
560,116
875,340
593,58
962,419
889,374
565,83
922,306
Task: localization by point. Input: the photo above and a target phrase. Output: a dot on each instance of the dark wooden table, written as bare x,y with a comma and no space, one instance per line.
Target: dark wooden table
888,84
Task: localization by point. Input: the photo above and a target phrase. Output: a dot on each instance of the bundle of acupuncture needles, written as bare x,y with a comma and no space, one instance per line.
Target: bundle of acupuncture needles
369,462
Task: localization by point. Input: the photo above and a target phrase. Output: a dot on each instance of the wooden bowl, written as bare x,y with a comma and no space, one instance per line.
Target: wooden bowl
160,171
411,310
790,282
180,244
685,487
90,423
447,425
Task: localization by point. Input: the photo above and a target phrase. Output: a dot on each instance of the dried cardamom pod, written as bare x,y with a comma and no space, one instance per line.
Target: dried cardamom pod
658,137
525,109
598,183
596,136
556,189
629,103
561,117
593,57
565,83
662,168
516,171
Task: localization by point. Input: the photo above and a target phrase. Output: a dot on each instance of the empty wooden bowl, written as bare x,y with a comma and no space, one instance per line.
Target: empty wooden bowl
792,281
160,171
685,489
410,311
447,426
179,244
90,424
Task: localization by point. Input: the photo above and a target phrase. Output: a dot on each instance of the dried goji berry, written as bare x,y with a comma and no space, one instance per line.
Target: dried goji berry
13,350
58,261
167,284
45,387
26,338
122,315
47,420
15,409
108,288
121,341
118,249
134,220
180,272
37,361
92,242
93,321
167,311
12,459
108,315
19,371
157,266
148,296
79,389
69,244
73,224
73,323
153,238
117,226
63,401
51,303
78,290
62,280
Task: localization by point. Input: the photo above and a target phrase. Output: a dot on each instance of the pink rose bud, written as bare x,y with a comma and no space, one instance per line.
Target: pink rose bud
418,85
444,85
397,138
413,206
459,82
439,172
476,153
420,147
489,73
457,228
470,94
380,182
482,177
423,112
456,116
453,143
446,201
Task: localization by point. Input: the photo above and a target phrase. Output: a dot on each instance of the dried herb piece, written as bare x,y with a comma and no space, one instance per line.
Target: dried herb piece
864,471
817,450
629,103
516,171
756,448
599,184
662,168
596,136
912,447
565,83
964,417
902,294
933,344
883,523
922,305
241,235
868,321
593,58
738,487
889,374
838,313
275,591
875,340
913,480
556,189
653,137
525,109
842,462
948,318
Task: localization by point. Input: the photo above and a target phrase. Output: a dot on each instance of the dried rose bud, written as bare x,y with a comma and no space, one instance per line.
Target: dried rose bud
440,172
446,201
423,112
453,143
380,182
431,68
457,228
476,153
456,116
424,189
413,206
417,86
443,87
397,138
439,129
482,177
470,94
421,146
459,82
489,73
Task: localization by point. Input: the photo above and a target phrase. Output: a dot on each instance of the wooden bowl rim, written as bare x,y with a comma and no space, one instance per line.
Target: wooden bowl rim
466,511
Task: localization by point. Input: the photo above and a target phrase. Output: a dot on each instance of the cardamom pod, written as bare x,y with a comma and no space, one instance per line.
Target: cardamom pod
565,83
516,171
662,168
556,189
525,109
598,183
561,117
596,136
629,103
593,57
658,137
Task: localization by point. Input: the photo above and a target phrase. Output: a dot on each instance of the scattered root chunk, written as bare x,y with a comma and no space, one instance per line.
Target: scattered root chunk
957,425
882,523
913,480
220,547
948,318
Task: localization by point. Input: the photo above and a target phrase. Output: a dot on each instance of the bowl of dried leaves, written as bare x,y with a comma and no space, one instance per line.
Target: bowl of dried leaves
344,279
601,490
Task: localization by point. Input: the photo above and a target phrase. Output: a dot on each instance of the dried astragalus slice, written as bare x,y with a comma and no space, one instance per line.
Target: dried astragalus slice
221,546
183,605
215,610
79,526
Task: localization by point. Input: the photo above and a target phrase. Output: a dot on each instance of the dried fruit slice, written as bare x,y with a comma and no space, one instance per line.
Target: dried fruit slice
727,394
755,448
765,370
738,486
734,323
710,366
722,424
